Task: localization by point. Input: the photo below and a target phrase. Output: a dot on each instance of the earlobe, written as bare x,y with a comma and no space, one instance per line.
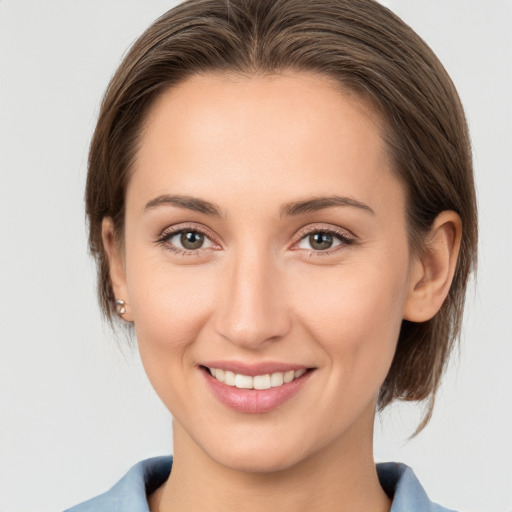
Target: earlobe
432,272
116,269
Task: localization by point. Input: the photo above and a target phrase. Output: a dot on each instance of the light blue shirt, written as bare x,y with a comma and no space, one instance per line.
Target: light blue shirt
130,493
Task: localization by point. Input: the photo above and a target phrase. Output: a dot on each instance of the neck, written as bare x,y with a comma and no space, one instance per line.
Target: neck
339,478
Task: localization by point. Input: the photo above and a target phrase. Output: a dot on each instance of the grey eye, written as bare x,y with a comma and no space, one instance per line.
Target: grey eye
191,240
320,241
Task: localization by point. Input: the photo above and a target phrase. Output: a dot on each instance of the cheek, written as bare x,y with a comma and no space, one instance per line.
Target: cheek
354,313
170,307
167,300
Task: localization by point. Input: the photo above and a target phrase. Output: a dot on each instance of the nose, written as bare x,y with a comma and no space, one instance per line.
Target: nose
252,310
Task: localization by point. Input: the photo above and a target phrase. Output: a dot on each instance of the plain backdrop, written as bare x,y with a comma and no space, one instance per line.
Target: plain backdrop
76,411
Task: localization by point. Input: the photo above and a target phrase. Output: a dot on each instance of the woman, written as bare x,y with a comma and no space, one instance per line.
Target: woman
281,204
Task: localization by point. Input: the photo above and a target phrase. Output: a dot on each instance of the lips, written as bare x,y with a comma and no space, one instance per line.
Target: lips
257,388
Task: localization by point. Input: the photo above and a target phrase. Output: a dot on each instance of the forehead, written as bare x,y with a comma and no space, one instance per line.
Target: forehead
294,132
305,99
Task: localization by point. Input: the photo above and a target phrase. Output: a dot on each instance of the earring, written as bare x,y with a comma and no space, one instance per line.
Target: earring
120,306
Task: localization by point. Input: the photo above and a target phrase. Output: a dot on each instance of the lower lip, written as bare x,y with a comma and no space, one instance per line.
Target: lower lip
254,401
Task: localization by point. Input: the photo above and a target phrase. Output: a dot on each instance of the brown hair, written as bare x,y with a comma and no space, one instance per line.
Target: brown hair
366,49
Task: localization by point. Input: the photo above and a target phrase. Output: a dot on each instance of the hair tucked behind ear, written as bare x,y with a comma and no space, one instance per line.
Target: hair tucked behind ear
366,49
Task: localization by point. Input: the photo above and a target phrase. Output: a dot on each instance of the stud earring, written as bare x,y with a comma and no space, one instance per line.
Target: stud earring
120,306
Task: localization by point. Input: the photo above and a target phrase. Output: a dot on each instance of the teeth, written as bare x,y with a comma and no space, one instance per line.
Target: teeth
261,382
288,376
277,379
267,381
243,381
229,378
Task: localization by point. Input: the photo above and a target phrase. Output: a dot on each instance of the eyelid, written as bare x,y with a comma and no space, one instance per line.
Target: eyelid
324,228
170,231
346,237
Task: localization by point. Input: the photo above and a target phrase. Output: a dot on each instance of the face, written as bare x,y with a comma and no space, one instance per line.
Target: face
265,247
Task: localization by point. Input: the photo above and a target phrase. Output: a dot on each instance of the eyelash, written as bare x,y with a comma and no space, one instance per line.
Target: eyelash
168,234
344,238
342,235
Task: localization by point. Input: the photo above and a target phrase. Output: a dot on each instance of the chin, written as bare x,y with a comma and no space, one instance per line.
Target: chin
263,456
259,462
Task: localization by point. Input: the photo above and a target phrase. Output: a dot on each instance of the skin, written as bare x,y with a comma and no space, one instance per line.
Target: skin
257,290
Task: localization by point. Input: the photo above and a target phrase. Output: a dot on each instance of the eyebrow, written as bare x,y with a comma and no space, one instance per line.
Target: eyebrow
188,202
319,203
294,208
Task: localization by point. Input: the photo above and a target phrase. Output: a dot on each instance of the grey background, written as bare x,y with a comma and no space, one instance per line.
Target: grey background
75,411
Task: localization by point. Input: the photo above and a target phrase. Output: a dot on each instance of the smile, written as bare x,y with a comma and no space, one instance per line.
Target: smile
260,382
255,389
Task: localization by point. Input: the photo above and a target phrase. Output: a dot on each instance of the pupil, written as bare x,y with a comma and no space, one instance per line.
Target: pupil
320,241
192,239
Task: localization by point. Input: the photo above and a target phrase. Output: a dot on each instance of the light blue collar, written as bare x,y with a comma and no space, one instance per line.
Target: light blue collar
129,494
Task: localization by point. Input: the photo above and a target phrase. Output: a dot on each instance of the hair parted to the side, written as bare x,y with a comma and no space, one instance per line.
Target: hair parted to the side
367,50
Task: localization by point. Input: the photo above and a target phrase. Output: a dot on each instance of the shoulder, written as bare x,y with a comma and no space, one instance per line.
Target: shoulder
402,485
130,493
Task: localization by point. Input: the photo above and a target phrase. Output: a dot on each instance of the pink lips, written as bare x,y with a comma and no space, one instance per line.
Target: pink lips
252,400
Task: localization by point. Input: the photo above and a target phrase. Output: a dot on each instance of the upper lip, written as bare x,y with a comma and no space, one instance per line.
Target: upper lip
253,369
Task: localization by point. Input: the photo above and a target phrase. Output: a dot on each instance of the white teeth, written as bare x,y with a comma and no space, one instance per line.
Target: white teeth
229,378
277,379
288,376
266,381
261,382
243,381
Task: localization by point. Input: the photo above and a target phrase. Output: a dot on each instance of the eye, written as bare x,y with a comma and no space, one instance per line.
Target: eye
186,241
324,241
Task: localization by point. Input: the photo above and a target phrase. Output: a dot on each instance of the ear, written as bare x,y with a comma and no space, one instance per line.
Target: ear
432,271
116,266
